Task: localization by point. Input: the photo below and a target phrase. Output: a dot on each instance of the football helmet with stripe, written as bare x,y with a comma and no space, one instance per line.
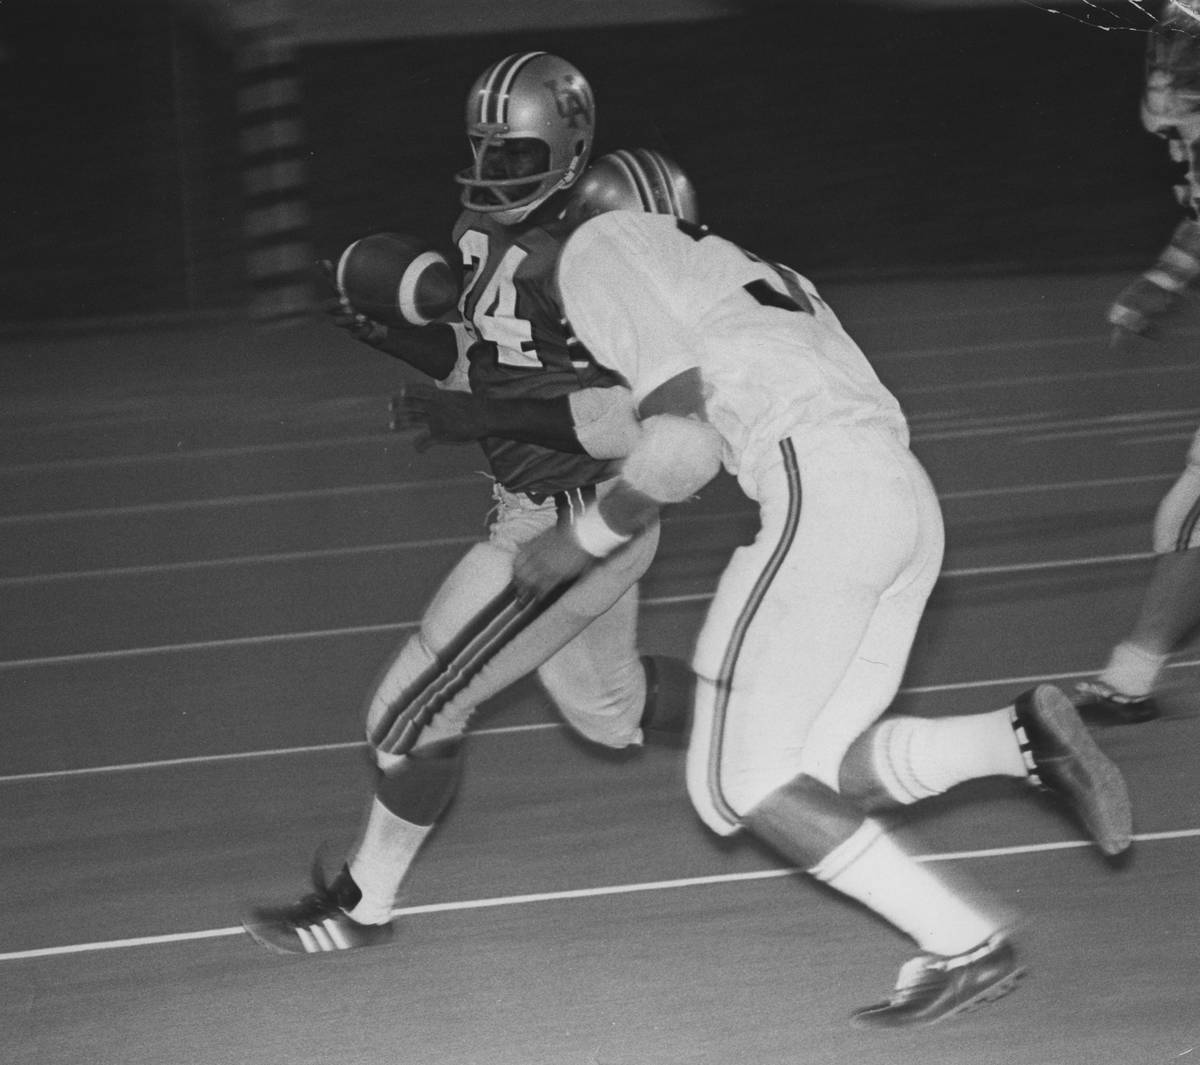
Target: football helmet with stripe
530,121
638,180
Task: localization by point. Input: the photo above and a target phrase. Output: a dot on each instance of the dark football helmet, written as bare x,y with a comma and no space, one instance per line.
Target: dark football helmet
638,180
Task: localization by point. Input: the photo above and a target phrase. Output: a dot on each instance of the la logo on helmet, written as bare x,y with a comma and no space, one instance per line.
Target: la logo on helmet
571,102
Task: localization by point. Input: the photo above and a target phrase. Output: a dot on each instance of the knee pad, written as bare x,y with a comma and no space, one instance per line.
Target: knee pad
805,820
419,785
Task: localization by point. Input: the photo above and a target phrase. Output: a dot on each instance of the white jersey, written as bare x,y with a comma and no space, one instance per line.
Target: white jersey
651,297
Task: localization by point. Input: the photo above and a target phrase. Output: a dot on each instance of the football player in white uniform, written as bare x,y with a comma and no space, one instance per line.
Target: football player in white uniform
550,422
735,360
1123,693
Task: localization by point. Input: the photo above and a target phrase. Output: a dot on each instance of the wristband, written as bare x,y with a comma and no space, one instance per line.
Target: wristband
596,536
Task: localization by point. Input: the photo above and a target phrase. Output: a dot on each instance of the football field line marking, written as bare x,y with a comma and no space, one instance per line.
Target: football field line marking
278,447
509,730
994,347
581,893
311,494
211,503
438,542
1057,378
110,572
400,626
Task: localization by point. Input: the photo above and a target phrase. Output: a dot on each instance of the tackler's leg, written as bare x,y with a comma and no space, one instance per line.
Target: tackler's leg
1040,738
802,650
967,960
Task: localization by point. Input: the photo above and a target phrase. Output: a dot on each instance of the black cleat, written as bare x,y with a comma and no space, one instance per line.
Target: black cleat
1106,706
1063,758
934,987
318,922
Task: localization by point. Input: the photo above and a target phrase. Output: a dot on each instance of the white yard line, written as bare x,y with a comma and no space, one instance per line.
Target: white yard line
217,502
578,893
398,626
1001,491
1025,681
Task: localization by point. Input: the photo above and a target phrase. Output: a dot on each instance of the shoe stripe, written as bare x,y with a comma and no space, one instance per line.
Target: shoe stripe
1026,749
337,934
321,936
307,941
957,961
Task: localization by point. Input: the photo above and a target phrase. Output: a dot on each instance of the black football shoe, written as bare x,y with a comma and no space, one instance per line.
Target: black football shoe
318,922
1103,704
1063,759
936,987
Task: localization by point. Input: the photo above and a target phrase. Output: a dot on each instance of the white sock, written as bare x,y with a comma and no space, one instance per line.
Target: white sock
915,758
871,868
387,848
1132,670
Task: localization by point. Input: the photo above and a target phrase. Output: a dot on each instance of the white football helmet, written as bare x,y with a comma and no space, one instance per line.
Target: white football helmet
530,121
638,180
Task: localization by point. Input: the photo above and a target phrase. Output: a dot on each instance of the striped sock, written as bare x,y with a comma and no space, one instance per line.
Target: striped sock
914,758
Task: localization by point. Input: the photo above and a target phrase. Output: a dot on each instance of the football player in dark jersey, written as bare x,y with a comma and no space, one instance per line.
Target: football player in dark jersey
551,422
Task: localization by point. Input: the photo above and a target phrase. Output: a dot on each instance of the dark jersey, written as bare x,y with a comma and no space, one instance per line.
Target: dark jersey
520,346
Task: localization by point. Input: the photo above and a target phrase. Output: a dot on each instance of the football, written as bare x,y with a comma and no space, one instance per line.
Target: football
397,279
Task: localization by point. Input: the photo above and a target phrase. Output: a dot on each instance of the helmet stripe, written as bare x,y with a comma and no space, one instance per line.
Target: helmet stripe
487,89
637,178
498,85
665,182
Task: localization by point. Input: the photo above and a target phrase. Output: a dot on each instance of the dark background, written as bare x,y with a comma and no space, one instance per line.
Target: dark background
849,140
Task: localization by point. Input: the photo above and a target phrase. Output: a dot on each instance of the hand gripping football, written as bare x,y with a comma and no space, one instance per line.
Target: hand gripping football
397,279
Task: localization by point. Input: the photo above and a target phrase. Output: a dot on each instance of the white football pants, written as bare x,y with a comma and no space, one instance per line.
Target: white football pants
807,639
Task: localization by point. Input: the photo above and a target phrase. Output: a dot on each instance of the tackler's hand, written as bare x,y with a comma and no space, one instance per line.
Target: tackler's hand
550,559
441,415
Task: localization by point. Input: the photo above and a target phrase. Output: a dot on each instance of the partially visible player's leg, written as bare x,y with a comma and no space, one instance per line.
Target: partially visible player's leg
1143,307
1124,691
